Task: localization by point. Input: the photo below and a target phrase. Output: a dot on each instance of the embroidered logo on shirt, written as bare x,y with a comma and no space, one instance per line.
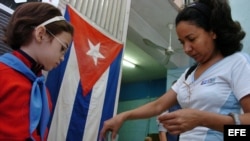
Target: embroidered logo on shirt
209,81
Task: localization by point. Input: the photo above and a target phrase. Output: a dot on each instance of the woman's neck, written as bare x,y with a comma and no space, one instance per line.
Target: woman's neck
202,67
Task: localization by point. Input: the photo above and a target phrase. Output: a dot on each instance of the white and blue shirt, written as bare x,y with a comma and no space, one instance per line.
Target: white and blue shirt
217,90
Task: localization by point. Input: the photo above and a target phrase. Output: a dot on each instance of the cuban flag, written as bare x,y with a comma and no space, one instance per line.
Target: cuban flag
85,87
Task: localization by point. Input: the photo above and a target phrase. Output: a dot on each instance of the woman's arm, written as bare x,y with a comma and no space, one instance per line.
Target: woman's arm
151,109
186,119
245,103
209,120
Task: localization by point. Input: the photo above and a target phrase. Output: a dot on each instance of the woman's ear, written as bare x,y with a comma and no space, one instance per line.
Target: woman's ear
40,33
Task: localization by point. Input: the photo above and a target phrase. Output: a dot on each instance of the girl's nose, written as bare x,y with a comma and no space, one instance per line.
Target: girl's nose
62,58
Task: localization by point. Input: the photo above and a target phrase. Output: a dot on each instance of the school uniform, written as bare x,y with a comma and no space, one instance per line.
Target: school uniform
15,96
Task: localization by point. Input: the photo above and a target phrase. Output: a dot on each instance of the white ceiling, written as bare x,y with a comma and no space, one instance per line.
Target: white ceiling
149,19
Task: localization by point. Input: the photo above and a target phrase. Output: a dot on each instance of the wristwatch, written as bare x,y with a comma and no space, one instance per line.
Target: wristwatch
235,117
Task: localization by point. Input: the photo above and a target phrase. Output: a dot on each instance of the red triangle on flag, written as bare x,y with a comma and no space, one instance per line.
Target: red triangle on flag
85,38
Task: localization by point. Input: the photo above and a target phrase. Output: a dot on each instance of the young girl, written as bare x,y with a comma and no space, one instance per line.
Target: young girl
39,37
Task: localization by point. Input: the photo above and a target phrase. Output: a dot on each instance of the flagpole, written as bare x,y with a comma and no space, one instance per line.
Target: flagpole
123,39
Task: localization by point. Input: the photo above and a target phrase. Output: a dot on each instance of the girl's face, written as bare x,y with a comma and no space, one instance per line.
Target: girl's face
53,51
197,43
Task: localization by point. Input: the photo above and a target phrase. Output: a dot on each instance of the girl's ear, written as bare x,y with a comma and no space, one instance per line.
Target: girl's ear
40,33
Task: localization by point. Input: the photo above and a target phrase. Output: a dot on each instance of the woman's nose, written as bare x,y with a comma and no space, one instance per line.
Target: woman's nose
187,47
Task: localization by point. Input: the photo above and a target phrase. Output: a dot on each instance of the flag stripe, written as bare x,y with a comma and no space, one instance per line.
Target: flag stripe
95,108
79,113
112,93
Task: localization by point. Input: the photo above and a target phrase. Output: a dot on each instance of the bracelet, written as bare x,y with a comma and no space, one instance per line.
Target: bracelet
235,117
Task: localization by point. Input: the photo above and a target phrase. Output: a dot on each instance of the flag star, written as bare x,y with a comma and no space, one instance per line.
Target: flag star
94,51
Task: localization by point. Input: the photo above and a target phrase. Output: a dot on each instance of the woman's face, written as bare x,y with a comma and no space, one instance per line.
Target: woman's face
197,43
53,51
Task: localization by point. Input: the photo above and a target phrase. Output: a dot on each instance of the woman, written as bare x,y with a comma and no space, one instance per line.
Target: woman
215,90
39,37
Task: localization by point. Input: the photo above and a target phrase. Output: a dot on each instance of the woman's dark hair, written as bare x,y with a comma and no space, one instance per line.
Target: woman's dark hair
29,15
215,15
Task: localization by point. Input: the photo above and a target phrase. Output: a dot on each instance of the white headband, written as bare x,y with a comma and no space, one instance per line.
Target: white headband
57,18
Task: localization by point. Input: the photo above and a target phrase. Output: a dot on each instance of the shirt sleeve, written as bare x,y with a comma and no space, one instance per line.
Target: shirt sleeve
240,76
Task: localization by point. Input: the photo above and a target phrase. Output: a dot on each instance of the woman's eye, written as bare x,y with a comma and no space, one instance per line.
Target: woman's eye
191,39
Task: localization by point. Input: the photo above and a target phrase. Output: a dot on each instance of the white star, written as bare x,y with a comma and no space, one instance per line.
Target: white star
94,51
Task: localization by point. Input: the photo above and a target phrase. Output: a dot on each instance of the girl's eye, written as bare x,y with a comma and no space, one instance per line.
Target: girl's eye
63,49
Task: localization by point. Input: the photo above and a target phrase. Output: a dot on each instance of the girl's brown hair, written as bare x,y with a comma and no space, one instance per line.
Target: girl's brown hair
29,15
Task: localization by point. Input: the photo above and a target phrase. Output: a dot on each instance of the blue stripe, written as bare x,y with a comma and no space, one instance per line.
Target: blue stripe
109,102
66,14
231,105
79,116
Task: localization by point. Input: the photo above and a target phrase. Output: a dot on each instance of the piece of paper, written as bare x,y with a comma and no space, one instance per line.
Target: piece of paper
109,137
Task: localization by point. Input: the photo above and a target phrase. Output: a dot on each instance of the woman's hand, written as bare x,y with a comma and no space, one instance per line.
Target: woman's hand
112,125
180,121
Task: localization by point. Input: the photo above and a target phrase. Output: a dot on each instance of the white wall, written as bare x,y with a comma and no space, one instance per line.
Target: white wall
240,12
